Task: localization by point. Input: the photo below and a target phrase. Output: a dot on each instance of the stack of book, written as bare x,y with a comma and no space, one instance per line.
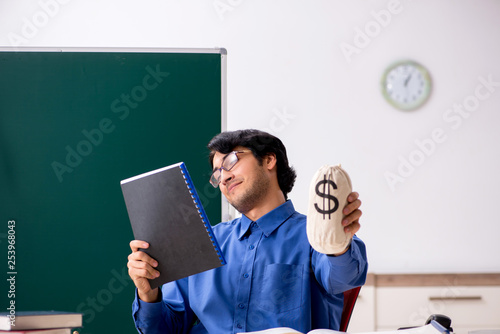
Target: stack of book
40,322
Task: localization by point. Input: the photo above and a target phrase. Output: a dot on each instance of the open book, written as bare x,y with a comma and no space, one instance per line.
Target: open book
432,328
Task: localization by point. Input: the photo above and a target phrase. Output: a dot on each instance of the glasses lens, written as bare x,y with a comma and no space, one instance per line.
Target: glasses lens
230,161
215,178
227,164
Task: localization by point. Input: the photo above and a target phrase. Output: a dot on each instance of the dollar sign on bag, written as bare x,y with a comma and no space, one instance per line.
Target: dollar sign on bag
326,197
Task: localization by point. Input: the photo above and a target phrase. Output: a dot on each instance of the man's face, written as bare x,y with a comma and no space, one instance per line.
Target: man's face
246,183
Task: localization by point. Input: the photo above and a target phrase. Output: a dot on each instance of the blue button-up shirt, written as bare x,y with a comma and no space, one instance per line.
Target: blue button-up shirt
273,278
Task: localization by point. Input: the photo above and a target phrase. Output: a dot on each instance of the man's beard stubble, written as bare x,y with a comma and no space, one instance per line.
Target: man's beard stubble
253,195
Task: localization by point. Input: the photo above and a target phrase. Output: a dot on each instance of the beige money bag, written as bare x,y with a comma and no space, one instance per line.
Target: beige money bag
328,194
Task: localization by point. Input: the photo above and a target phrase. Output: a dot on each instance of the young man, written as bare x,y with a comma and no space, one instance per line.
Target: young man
273,277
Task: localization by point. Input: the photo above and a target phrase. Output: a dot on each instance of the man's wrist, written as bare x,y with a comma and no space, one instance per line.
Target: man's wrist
153,296
345,250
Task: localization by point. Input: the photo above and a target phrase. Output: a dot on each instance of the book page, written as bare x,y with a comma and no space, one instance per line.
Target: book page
427,329
325,331
432,328
277,330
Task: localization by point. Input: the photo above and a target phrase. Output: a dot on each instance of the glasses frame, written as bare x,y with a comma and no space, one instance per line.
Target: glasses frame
216,181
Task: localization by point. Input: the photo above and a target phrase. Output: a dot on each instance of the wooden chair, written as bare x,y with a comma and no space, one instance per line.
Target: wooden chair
350,297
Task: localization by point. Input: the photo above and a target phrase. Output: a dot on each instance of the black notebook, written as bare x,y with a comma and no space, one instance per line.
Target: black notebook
165,210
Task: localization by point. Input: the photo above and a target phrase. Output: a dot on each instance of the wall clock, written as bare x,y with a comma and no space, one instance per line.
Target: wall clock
406,85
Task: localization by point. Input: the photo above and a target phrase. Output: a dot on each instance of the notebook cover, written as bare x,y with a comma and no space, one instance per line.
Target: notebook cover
165,211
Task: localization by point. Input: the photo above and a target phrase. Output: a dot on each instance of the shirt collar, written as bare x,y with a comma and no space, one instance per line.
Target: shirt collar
270,221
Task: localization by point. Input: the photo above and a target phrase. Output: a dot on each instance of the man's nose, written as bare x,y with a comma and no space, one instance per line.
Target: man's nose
225,176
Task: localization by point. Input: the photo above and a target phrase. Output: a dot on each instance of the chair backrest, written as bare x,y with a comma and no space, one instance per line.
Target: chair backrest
350,297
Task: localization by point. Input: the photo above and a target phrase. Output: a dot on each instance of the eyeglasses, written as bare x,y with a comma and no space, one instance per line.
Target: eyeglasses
227,164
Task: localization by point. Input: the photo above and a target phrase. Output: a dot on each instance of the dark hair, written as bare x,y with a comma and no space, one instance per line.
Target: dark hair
261,144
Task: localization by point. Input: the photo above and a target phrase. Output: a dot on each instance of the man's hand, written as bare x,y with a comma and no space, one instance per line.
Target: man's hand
351,219
352,214
140,269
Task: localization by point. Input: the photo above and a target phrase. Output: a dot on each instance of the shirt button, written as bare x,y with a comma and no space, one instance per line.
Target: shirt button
251,247
242,306
246,275
239,326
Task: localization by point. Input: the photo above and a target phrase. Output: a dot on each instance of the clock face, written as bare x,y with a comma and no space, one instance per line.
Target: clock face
406,85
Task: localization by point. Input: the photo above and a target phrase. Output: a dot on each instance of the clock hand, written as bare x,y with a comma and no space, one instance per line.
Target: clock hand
407,79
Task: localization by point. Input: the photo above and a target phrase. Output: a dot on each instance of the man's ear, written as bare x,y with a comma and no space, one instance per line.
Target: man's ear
270,161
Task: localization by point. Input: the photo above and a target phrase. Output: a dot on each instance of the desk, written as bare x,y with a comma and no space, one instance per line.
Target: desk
390,301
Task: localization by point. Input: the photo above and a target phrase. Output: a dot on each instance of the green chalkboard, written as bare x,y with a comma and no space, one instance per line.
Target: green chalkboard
73,123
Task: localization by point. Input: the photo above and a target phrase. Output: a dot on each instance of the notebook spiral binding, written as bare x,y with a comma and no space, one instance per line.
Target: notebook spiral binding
201,211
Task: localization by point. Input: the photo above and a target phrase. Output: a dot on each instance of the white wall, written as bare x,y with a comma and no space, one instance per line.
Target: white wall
287,74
